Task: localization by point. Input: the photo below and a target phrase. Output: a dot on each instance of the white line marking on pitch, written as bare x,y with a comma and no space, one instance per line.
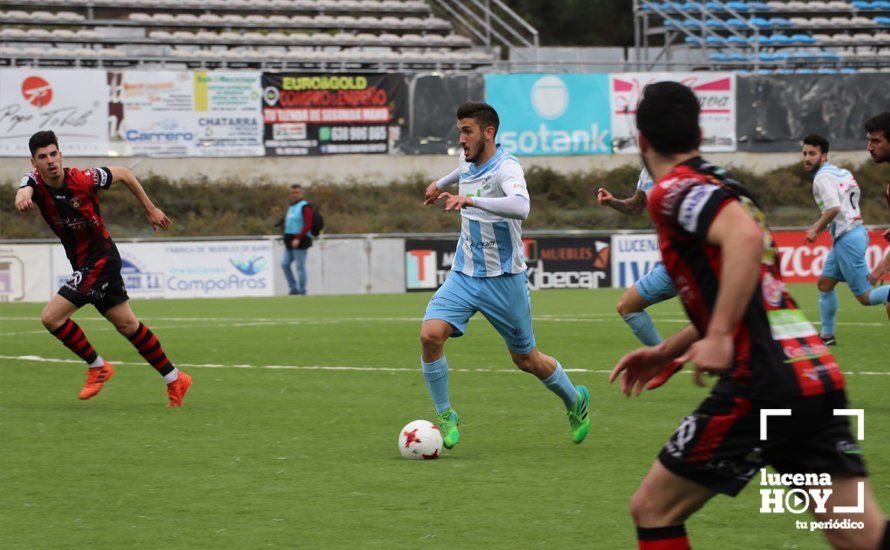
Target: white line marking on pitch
263,321
51,360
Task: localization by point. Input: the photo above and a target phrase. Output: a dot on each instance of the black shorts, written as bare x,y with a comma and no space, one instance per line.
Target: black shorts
719,444
99,283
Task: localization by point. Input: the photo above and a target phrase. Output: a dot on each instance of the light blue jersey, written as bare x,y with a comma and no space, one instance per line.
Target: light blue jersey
490,245
835,187
645,183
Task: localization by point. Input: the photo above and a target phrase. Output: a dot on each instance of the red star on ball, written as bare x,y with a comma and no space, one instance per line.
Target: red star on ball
410,437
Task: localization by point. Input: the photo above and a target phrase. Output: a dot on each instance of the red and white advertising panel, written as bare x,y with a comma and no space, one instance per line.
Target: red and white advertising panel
716,92
72,103
802,262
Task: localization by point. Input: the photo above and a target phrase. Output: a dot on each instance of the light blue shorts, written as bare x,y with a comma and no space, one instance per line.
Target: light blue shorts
656,286
503,300
846,261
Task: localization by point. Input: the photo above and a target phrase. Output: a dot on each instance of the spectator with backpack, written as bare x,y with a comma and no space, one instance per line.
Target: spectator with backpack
301,224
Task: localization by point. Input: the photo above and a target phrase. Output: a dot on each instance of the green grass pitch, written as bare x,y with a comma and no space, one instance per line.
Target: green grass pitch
273,451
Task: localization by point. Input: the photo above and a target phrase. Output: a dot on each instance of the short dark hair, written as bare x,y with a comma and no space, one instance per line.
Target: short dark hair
481,112
817,141
43,138
296,186
668,117
879,123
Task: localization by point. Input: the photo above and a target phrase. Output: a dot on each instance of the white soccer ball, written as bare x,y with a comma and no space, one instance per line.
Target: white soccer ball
420,440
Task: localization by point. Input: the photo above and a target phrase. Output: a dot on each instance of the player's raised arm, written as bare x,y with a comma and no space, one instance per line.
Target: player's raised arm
741,253
23,198
155,216
435,188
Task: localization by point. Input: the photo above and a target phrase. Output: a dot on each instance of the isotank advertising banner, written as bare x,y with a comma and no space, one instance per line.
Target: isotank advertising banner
551,114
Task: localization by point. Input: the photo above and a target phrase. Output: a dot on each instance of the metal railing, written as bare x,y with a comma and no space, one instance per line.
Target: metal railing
491,22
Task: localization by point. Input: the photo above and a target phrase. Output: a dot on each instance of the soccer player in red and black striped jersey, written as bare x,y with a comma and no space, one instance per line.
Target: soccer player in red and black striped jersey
746,328
68,199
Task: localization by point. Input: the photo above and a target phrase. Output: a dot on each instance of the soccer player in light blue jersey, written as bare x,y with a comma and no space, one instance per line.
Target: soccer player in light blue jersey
652,288
488,274
837,195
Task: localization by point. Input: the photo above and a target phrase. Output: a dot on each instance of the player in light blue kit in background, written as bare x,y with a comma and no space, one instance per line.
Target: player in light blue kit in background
652,288
837,195
489,273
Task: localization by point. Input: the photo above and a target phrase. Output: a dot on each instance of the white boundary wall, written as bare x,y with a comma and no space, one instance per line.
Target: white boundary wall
361,264
214,268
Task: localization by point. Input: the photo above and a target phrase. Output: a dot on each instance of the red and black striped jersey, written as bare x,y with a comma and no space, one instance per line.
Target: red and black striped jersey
72,211
778,353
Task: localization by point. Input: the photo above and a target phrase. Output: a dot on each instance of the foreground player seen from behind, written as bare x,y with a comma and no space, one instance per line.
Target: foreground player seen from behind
68,199
745,328
488,274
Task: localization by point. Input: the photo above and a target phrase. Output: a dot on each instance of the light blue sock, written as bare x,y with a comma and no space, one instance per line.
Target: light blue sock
559,383
879,295
436,376
643,328
827,311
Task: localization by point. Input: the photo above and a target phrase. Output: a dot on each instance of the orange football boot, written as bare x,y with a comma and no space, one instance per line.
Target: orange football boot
178,388
95,379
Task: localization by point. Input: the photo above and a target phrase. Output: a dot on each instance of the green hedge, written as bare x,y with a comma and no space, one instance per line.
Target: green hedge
559,201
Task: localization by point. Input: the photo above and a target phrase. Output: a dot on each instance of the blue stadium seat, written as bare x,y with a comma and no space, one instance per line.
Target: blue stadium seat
715,24
882,20
694,40
780,39
760,22
862,5
803,39
739,6
760,6
715,6
737,41
778,56
690,6
715,41
781,22
736,23
690,24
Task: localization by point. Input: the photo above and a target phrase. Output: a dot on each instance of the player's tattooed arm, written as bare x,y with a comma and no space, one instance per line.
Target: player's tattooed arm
633,205
155,216
23,198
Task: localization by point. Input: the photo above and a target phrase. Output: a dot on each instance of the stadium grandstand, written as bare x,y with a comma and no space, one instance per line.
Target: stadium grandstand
305,34
826,37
